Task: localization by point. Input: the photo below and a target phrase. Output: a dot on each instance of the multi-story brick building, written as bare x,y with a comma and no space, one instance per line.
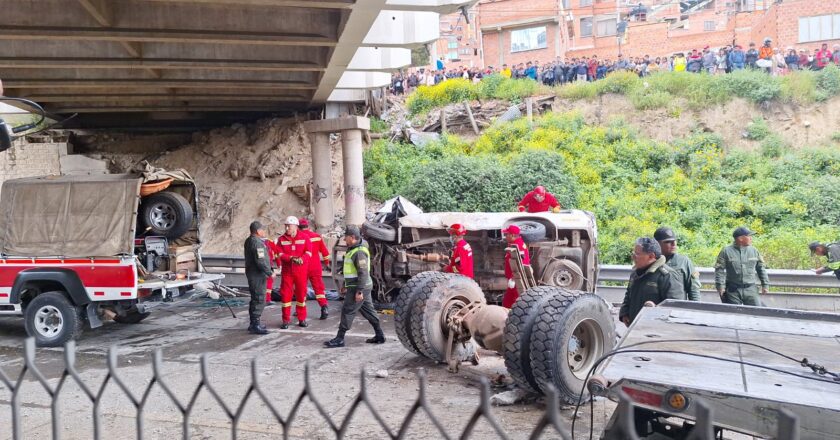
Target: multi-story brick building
514,31
459,43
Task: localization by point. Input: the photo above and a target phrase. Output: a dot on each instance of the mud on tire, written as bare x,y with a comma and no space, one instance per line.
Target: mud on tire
426,314
517,337
402,309
572,330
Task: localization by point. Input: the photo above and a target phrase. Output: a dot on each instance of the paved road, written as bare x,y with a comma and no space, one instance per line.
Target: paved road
186,331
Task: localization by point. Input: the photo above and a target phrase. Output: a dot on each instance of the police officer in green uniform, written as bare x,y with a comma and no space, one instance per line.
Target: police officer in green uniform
651,282
738,270
257,271
830,251
357,289
679,262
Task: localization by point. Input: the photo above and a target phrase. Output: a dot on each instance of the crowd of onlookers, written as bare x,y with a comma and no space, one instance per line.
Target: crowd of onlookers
724,60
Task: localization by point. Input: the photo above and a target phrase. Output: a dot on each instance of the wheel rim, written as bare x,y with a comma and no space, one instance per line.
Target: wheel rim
48,321
563,278
584,347
162,216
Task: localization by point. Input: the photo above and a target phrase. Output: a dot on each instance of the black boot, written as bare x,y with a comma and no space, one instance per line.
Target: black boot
256,328
378,336
284,325
324,312
303,324
337,341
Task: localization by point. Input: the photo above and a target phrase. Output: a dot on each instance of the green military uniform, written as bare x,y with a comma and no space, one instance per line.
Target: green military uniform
739,270
656,283
833,255
257,271
357,278
688,274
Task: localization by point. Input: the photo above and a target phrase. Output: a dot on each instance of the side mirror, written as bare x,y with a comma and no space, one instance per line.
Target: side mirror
5,137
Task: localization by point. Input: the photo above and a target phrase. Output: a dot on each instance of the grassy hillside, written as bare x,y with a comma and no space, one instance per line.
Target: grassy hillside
632,184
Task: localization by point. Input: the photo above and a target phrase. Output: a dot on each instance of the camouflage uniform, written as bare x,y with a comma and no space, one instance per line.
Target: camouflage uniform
257,271
738,270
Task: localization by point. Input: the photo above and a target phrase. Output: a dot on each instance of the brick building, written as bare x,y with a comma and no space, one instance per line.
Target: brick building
514,31
459,43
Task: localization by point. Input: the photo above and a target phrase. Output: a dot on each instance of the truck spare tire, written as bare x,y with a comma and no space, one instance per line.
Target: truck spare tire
379,231
166,214
531,231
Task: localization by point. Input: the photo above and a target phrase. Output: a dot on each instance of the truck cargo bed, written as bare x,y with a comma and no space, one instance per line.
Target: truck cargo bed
721,354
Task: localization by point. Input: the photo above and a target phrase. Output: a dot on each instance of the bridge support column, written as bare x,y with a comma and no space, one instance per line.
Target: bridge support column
351,128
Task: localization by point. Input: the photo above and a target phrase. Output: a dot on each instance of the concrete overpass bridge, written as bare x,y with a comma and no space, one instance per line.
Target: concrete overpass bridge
193,63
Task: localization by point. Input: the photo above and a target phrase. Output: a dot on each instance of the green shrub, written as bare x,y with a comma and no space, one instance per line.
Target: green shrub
773,146
426,98
378,125
800,87
578,90
835,136
645,98
753,85
618,82
828,82
758,129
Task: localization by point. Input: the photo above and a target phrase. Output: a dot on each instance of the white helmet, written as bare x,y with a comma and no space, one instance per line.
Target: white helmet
292,220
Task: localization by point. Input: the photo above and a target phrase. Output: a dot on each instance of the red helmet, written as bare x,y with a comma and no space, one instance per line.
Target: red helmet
303,222
458,229
540,190
512,229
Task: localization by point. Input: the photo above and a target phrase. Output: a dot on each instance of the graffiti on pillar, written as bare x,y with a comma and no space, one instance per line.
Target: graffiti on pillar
355,192
320,193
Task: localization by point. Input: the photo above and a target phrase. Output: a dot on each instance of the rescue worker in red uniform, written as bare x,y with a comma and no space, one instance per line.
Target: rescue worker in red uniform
320,254
293,255
514,240
272,256
461,261
539,200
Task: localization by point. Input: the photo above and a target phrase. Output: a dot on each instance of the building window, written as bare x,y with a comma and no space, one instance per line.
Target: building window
585,3
586,27
528,39
709,25
459,28
452,43
819,28
567,4
452,55
465,51
605,28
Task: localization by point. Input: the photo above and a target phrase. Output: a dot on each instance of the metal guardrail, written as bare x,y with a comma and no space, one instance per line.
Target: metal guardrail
233,266
783,278
623,428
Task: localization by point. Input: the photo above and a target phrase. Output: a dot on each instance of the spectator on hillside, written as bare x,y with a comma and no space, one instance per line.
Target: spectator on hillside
559,72
823,57
581,69
695,62
601,71
721,62
737,58
505,71
709,61
765,56
751,56
667,64
779,65
655,65
792,59
835,56
440,64
621,64
592,68
804,62
531,71
679,62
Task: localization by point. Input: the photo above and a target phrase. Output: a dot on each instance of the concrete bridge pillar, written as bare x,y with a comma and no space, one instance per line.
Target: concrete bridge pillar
351,128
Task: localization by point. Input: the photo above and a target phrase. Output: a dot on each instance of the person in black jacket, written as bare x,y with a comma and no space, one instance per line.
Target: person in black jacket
257,271
651,282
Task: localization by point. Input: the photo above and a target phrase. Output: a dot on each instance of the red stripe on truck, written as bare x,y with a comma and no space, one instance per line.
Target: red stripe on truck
92,275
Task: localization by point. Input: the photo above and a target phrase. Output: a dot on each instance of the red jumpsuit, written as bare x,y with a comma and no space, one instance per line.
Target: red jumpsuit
315,274
272,255
461,260
293,276
512,294
532,205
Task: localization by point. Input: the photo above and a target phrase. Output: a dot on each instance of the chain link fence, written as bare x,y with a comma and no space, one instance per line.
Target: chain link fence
550,424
